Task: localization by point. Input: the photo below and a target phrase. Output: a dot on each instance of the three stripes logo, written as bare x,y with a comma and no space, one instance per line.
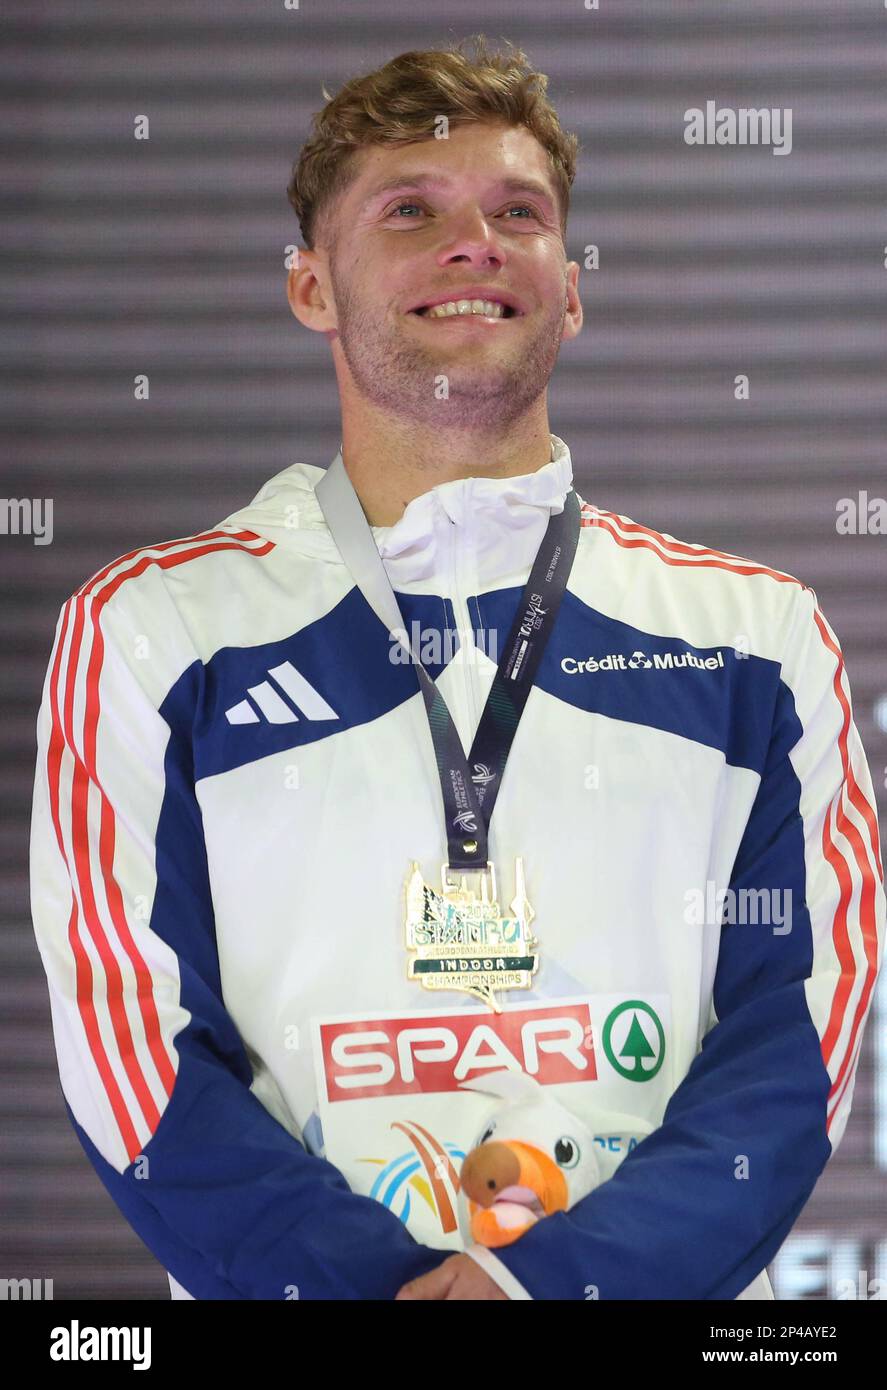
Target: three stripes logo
271,706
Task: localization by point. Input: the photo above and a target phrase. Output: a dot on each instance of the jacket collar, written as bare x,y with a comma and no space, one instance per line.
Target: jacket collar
470,533
479,505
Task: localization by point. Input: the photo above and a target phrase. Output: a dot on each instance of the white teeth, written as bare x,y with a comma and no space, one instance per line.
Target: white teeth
467,306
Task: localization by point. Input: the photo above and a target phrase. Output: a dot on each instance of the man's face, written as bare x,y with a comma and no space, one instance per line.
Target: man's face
430,220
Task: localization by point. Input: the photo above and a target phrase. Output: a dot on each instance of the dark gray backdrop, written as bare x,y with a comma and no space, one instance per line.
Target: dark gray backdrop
166,257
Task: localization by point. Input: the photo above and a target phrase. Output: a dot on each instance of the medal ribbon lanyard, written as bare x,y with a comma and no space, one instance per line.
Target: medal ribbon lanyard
468,806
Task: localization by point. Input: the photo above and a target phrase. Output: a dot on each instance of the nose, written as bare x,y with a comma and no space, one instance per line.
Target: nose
487,1170
470,237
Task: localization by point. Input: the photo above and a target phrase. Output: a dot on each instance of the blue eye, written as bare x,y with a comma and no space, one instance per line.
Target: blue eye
526,207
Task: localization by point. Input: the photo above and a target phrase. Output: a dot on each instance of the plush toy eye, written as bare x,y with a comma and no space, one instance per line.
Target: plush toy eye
486,1134
566,1152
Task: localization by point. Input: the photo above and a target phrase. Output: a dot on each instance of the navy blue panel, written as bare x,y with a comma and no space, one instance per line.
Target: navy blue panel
225,1197
709,1197
729,708
770,856
182,913
190,1269
234,1207
344,656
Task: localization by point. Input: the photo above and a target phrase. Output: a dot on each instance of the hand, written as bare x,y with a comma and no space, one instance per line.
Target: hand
459,1277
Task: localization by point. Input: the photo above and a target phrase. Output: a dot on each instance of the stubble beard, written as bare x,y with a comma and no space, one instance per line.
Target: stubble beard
400,374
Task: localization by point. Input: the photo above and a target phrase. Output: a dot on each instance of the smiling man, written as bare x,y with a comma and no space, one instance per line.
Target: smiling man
303,884
445,296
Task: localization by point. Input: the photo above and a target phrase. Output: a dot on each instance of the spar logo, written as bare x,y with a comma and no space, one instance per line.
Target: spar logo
640,661
421,1054
634,1040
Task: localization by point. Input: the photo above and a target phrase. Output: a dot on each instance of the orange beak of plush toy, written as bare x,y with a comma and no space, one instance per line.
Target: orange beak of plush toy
509,1187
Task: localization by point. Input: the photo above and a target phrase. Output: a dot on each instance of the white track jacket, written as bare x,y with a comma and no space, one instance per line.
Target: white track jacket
234,774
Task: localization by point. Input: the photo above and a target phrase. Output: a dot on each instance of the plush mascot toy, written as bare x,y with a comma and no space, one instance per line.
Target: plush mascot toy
534,1157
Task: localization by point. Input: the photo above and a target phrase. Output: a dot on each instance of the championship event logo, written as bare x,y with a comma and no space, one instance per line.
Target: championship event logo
373,1069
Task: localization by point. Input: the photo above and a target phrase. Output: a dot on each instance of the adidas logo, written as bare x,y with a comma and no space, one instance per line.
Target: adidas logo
273,708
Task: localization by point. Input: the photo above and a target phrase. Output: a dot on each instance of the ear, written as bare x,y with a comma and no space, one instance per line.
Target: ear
507,1084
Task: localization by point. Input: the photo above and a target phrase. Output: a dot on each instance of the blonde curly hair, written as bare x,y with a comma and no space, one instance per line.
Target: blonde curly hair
401,102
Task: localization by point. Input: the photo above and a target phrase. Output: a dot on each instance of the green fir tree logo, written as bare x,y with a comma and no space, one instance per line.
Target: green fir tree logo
636,1053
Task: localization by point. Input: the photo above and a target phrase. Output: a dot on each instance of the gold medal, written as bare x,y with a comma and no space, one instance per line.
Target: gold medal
461,939
457,936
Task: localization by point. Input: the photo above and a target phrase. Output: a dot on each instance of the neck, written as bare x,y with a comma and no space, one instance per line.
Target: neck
391,462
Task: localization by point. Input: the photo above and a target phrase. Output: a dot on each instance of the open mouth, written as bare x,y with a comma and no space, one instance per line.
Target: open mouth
507,313
523,1198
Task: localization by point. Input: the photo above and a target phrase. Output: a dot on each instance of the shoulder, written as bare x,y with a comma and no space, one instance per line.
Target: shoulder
150,577
666,584
218,587
284,505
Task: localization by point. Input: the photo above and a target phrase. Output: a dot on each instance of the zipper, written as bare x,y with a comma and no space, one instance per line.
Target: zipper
466,642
